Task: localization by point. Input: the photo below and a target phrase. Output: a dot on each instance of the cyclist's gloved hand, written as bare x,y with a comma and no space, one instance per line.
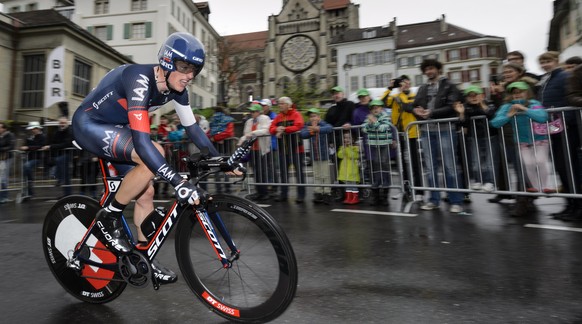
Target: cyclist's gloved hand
187,193
237,168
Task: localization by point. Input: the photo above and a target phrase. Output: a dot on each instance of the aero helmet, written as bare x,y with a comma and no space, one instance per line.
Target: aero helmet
181,47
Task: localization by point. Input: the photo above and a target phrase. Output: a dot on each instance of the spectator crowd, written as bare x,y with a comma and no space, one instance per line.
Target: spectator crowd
520,135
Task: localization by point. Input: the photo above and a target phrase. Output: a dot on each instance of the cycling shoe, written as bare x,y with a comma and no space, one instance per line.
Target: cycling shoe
112,229
163,274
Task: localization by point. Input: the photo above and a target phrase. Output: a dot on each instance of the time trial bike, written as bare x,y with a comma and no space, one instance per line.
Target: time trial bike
232,254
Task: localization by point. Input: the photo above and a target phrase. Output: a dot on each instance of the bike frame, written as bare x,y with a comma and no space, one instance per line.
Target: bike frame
208,221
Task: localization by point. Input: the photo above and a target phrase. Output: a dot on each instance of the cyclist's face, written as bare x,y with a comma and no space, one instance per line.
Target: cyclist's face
183,75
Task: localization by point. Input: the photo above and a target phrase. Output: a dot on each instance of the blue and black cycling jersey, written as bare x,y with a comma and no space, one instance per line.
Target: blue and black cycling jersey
113,120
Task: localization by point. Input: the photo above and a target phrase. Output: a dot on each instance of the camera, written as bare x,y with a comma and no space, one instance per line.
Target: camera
397,83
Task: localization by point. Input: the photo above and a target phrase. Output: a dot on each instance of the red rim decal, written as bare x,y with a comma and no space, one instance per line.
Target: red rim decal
221,307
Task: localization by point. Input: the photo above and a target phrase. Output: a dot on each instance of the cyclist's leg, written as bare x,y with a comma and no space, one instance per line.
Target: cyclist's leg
144,205
120,149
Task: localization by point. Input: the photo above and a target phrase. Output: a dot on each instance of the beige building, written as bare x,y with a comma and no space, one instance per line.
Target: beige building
566,29
27,41
137,29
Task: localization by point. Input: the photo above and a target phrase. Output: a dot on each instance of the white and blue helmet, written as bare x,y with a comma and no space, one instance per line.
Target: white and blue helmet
181,47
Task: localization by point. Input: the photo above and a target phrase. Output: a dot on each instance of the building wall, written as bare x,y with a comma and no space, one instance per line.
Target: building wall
7,53
354,71
38,41
161,18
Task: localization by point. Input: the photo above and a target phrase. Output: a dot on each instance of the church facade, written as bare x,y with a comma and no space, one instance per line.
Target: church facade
295,49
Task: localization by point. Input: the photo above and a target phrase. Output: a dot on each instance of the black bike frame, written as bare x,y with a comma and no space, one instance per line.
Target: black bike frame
150,250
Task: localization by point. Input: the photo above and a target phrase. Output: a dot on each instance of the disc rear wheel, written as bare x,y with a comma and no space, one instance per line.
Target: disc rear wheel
64,227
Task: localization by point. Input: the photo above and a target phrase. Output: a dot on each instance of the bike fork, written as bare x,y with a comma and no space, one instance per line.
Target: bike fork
206,221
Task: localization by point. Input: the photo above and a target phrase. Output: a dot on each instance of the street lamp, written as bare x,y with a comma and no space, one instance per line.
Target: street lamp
347,67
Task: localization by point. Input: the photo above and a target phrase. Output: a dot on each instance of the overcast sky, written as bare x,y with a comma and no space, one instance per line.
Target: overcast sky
525,24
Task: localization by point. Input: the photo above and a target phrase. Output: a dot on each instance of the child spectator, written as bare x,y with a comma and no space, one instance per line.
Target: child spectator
481,141
534,150
379,130
348,172
319,134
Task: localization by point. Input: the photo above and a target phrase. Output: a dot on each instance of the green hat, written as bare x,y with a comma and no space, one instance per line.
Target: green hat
313,111
376,102
153,127
255,107
518,85
473,88
337,89
363,92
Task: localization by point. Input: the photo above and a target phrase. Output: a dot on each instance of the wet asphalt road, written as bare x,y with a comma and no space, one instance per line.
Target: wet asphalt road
427,267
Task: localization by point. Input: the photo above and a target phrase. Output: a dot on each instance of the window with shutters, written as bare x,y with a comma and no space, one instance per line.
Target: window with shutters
141,30
388,56
361,59
33,81
138,31
370,58
81,78
101,7
454,55
370,81
104,33
474,52
456,76
379,57
354,83
403,61
474,75
137,5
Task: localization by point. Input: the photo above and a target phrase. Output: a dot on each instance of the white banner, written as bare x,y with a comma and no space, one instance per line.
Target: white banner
55,77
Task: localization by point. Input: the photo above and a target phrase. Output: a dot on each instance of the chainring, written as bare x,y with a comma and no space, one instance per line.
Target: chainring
135,269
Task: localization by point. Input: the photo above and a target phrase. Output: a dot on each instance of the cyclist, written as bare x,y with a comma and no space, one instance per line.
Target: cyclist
113,123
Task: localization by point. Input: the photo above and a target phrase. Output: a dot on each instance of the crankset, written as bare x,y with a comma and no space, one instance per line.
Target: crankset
135,269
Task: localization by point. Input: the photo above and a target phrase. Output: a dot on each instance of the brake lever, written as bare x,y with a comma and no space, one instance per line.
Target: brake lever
244,176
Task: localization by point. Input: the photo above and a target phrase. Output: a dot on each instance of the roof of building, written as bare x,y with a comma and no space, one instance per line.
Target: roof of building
50,17
248,41
430,33
413,35
39,18
335,4
351,35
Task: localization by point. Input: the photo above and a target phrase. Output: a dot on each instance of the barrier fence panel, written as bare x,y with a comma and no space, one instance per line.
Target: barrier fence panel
510,156
332,163
10,176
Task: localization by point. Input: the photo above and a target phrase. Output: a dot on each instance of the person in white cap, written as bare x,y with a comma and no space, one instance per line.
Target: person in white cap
34,143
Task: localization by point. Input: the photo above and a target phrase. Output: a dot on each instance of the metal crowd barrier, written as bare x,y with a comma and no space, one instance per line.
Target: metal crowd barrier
316,161
10,175
455,159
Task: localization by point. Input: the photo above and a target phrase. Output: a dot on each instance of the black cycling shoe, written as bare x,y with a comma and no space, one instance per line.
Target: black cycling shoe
112,229
163,274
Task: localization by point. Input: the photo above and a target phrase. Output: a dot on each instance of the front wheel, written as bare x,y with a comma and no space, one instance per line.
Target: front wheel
261,283
64,226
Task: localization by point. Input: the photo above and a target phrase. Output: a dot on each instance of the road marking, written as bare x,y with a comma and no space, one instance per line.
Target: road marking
371,212
554,227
